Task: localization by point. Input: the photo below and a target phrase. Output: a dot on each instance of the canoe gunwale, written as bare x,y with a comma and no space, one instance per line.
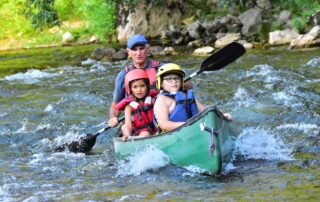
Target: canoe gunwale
191,121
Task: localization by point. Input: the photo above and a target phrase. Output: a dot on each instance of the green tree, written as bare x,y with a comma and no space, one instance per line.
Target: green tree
41,13
99,14
12,21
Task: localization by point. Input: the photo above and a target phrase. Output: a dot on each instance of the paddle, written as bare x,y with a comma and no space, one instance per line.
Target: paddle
85,144
220,59
216,61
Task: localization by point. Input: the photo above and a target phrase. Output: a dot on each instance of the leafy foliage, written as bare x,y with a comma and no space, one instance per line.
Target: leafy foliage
133,3
301,10
101,15
12,21
41,13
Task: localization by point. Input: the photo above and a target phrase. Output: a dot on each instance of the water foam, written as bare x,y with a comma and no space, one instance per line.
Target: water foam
3,114
49,108
260,70
315,62
193,169
304,127
24,128
150,158
256,143
31,76
287,97
244,98
89,61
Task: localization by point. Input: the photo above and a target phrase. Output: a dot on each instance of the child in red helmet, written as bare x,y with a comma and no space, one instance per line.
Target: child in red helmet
138,106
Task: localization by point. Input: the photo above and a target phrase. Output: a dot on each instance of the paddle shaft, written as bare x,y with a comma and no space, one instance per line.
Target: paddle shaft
106,128
192,75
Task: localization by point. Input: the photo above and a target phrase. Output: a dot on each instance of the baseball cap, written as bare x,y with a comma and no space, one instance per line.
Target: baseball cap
136,39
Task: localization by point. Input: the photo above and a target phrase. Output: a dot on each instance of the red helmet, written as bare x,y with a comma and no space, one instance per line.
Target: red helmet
132,75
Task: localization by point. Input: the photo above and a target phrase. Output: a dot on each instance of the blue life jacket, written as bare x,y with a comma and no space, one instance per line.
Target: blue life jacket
186,106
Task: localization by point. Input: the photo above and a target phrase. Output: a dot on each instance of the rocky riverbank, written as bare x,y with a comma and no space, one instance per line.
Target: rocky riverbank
173,24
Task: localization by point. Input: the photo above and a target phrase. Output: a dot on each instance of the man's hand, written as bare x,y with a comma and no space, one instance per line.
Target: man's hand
113,122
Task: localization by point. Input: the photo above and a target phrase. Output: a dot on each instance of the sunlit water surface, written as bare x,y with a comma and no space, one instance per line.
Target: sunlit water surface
273,96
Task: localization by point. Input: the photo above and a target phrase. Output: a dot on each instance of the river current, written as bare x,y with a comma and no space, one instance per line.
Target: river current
273,96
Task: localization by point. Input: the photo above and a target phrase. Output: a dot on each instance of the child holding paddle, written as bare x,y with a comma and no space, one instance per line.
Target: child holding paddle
174,105
138,106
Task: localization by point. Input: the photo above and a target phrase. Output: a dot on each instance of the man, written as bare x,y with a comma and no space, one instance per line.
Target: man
138,49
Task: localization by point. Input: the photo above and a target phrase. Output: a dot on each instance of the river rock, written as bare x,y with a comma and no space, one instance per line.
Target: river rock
67,37
93,39
309,39
157,50
195,30
211,27
169,36
315,19
284,16
196,43
147,20
103,53
282,37
264,4
228,38
170,51
203,50
251,21
120,55
246,44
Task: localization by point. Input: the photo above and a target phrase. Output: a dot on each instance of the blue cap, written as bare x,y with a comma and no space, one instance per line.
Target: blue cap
136,39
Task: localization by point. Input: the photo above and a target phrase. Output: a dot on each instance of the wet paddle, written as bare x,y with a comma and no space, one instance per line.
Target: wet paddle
216,61
85,144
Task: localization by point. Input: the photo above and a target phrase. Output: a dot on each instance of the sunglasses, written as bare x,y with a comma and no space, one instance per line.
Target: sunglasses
171,79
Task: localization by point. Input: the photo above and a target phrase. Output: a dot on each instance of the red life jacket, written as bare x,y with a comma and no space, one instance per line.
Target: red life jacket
142,114
151,71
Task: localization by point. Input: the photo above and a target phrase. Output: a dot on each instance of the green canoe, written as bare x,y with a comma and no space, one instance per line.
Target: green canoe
189,145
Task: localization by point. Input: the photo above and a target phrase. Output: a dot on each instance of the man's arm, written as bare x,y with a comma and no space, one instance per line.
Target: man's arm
113,115
112,111
118,96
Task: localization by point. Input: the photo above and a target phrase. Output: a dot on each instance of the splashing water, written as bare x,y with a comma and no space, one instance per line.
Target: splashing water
31,76
305,128
150,158
273,97
256,143
314,62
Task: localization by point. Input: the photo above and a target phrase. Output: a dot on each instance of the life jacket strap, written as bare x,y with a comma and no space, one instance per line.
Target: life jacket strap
149,126
142,109
187,101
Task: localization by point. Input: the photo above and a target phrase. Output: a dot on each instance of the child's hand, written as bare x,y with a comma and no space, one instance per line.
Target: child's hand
228,116
124,138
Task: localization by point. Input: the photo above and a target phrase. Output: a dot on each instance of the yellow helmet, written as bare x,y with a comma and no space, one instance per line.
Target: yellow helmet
166,69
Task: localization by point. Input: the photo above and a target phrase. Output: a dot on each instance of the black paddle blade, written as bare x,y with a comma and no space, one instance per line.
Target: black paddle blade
223,57
84,145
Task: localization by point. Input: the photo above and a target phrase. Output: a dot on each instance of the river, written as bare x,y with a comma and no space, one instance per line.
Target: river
273,95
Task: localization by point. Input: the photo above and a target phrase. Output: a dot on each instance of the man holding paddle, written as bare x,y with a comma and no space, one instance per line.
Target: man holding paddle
138,49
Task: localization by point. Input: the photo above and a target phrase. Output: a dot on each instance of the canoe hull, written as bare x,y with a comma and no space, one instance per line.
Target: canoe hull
188,145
